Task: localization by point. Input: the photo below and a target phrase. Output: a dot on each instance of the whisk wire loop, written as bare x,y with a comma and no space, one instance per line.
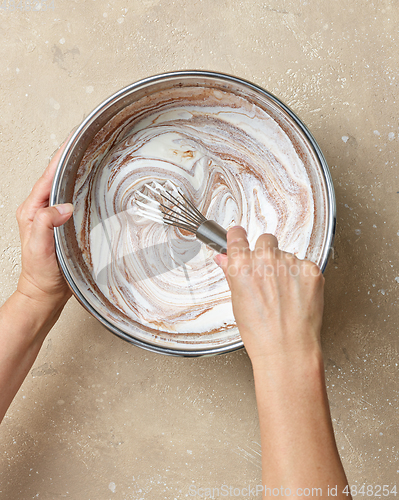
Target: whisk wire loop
196,217
190,204
181,213
169,211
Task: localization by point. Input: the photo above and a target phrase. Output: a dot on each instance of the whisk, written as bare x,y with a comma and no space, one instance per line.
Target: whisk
176,210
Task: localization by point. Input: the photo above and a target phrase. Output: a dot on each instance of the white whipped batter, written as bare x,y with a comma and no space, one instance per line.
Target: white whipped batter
236,165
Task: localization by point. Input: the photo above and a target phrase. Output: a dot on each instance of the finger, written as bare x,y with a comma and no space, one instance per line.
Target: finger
39,196
221,260
310,268
237,242
289,256
266,241
44,222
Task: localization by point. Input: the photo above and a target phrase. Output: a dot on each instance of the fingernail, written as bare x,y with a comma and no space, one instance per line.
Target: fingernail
65,208
218,259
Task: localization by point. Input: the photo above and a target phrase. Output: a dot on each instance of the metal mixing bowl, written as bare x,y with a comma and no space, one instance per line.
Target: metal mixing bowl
69,255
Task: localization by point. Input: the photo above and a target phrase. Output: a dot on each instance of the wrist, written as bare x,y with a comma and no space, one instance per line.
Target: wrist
290,364
46,301
30,318
41,309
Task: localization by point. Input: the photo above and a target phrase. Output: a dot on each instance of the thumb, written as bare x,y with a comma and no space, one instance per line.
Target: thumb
44,222
222,261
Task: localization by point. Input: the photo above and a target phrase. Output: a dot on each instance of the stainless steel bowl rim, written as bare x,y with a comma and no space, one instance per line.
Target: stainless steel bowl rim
92,117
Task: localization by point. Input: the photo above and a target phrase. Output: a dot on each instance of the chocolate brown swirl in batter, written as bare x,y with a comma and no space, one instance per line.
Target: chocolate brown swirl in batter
231,159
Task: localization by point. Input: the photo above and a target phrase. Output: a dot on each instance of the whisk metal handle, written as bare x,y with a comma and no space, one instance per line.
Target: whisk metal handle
213,235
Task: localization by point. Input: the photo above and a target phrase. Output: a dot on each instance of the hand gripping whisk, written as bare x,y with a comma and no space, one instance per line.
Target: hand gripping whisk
176,210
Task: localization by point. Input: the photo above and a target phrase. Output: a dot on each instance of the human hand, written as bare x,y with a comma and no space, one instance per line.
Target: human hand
278,305
277,299
41,279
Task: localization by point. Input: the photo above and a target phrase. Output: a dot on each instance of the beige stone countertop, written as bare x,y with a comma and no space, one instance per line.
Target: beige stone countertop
98,418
